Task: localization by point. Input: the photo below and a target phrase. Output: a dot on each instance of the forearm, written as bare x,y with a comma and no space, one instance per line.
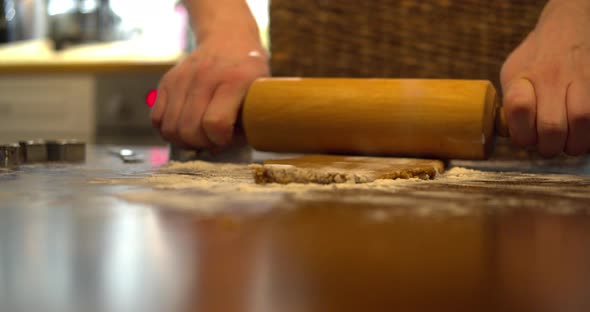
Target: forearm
209,17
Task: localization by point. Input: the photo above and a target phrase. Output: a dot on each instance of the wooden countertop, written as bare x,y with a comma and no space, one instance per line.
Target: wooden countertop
68,243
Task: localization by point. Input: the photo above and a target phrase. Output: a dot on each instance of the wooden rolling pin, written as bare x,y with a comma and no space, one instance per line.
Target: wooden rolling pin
449,119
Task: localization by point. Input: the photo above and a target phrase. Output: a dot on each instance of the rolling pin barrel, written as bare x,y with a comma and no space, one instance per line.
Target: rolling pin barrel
450,119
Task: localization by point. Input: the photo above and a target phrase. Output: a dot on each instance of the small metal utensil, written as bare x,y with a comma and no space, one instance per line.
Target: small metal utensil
128,155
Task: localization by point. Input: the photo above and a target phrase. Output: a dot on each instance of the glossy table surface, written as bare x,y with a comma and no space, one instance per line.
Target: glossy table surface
68,244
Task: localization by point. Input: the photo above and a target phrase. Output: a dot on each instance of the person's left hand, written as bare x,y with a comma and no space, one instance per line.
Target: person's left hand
200,98
546,82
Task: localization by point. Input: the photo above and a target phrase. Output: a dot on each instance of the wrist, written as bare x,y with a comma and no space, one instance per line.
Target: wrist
228,30
212,18
564,10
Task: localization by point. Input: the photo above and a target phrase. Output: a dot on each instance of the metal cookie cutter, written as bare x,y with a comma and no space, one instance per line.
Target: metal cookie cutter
241,154
73,151
237,152
9,156
33,151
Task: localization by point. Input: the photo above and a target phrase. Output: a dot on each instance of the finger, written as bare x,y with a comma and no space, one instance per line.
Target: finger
221,114
578,115
176,98
551,115
520,107
157,114
190,129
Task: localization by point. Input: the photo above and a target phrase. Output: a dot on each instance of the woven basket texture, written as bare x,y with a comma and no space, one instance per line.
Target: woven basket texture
462,39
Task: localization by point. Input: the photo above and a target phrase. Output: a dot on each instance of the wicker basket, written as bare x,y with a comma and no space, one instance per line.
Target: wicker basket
397,38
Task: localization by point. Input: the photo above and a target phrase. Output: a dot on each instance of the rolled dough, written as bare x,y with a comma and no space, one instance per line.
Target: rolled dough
329,169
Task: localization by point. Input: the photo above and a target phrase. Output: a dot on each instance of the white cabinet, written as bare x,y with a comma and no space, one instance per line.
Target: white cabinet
47,106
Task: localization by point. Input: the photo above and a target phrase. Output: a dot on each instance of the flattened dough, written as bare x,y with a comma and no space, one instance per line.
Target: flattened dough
328,169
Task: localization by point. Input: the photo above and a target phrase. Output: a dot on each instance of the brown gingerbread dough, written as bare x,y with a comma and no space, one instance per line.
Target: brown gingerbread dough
329,169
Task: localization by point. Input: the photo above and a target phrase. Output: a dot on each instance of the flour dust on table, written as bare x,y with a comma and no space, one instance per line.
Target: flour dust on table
212,188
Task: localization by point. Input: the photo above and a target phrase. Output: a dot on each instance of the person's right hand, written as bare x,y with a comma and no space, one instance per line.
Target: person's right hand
546,82
199,99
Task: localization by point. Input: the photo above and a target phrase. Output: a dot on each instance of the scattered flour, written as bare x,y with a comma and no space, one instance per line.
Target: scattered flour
232,178
212,187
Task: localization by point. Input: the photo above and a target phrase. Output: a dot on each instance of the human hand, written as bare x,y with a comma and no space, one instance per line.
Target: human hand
546,82
199,99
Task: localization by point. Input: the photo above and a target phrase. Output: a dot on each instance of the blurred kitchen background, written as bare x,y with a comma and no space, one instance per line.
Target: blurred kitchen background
87,69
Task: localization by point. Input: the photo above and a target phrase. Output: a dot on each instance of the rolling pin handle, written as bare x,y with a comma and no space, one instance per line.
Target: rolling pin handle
501,125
